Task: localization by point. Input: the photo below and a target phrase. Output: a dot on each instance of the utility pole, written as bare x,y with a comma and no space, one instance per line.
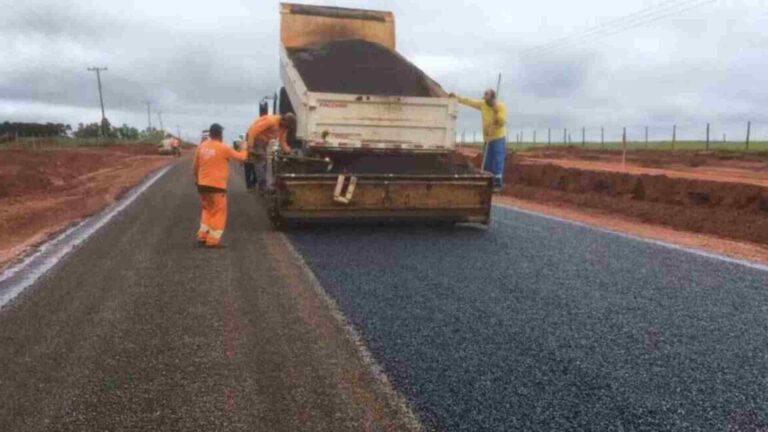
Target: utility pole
583,136
160,117
178,132
749,129
101,98
565,136
149,119
549,137
707,136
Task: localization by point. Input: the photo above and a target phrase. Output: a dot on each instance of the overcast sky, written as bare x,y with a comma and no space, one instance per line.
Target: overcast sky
201,62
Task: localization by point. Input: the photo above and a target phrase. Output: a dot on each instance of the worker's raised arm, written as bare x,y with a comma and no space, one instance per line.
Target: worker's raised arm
474,103
241,155
500,114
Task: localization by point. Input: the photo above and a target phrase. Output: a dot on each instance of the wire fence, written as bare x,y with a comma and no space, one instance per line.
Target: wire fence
704,137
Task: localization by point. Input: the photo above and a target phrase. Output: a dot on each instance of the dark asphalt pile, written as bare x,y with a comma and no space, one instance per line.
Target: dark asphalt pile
537,325
358,67
140,329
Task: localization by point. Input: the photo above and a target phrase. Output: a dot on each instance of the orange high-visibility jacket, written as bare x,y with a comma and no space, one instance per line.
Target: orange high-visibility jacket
267,128
212,163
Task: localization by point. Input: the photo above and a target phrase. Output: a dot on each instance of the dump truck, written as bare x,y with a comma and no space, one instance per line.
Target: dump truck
375,135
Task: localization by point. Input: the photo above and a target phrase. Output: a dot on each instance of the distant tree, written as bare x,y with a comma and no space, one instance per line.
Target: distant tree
152,135
126,132
90,130
34,129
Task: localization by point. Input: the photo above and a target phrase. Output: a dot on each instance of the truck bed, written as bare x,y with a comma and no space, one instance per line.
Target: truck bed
357,66
378,134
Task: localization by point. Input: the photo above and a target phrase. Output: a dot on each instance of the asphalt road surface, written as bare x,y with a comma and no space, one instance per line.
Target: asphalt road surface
139,329
532,325
539,325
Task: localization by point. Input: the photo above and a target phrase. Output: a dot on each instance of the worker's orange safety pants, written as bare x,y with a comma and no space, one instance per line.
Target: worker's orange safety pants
213,219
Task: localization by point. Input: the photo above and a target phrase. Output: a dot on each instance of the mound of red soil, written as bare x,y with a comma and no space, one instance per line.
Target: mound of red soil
359,67
43,191
733,210
25,172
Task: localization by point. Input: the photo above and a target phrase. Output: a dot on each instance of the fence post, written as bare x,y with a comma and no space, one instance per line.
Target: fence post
565,136
522,136
707,136
749,129
624,149
534,137
549,137
646,137
583,136
674,136
602,137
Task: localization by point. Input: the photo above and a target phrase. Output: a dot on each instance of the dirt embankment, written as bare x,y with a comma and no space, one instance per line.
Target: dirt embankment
689,202
44,191
751,168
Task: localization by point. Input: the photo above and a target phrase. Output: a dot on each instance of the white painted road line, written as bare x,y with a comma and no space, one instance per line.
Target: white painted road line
19,277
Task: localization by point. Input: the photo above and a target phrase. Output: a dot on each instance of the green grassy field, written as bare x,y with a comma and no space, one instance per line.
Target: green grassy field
754,146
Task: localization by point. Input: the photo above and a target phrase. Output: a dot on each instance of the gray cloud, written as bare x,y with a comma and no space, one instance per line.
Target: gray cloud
200,63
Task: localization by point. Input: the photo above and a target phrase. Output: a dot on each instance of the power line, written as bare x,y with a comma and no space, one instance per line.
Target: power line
613,22
98,71
617,26
622,27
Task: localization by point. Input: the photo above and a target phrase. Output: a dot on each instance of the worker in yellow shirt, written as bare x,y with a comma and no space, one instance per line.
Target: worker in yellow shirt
494,114
261,132
211,169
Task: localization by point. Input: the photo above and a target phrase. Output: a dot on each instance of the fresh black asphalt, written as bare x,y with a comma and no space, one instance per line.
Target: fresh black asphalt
539,325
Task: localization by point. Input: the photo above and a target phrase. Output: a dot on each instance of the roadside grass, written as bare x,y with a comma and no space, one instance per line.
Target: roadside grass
718,146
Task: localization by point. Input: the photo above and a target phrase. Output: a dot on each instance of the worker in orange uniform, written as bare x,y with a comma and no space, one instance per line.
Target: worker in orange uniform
261,132
211,174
